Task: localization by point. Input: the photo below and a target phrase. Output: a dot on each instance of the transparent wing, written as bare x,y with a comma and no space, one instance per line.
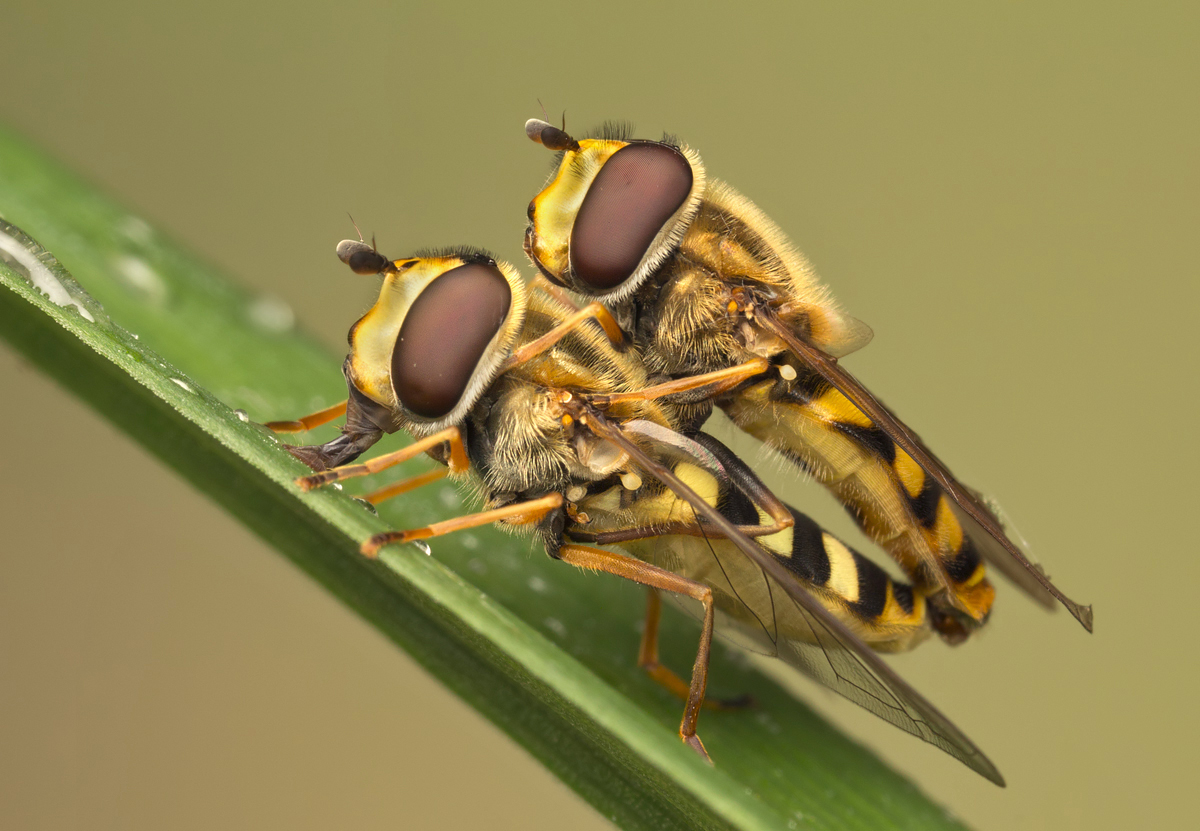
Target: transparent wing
779,610
1005,555
852,336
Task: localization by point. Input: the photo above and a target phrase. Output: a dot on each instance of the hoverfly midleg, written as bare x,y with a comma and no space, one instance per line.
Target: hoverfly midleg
568,426
701,280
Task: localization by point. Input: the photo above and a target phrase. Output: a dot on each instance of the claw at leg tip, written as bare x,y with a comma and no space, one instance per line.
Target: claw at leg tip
693,741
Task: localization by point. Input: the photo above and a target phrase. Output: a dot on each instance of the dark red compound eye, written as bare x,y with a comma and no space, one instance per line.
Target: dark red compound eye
634,194
444,335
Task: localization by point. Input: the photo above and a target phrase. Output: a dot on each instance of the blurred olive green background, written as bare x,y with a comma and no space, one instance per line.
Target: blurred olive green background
1008,196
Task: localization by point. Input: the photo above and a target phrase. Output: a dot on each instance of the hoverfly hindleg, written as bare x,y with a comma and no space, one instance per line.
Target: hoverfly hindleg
663,675
612,562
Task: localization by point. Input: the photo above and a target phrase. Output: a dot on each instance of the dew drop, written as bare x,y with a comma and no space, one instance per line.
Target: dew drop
449,497
182,384
137,274
556,626
136,229
538,584
272,314
477,565
21,252
242,416
469,541
422,546
337,486
366,505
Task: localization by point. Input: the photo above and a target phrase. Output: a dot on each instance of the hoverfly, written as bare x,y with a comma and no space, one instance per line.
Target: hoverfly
703,281
565,436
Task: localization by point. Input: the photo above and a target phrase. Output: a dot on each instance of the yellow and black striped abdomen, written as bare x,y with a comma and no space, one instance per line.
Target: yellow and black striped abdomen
886,615
894,501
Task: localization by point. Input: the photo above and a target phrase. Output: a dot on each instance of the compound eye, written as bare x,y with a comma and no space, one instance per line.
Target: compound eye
362,258
636,191
445,335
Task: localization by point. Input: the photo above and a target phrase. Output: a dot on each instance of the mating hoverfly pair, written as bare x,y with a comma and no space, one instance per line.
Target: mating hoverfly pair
583,425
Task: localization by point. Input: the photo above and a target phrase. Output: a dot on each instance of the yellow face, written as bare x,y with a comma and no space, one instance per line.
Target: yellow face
552,212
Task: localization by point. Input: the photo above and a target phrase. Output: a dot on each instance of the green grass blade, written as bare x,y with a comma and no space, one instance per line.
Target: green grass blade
543,651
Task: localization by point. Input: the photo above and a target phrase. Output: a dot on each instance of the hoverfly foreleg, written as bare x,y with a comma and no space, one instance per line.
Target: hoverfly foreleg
406,485
519,513
451,435
780,520
711,383
592,311
597,559
540,283
310,421
663,675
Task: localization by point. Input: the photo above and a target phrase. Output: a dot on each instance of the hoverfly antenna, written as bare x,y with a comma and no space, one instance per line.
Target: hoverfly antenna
548,135
362,258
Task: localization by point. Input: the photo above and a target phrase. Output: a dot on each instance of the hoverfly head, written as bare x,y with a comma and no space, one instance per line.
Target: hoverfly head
434,340
613,211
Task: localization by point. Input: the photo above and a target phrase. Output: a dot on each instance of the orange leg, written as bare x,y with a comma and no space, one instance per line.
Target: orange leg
648,660
780,521
540,283
406,485
713,383
310,421
597,559
593,311
521,513
451,435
